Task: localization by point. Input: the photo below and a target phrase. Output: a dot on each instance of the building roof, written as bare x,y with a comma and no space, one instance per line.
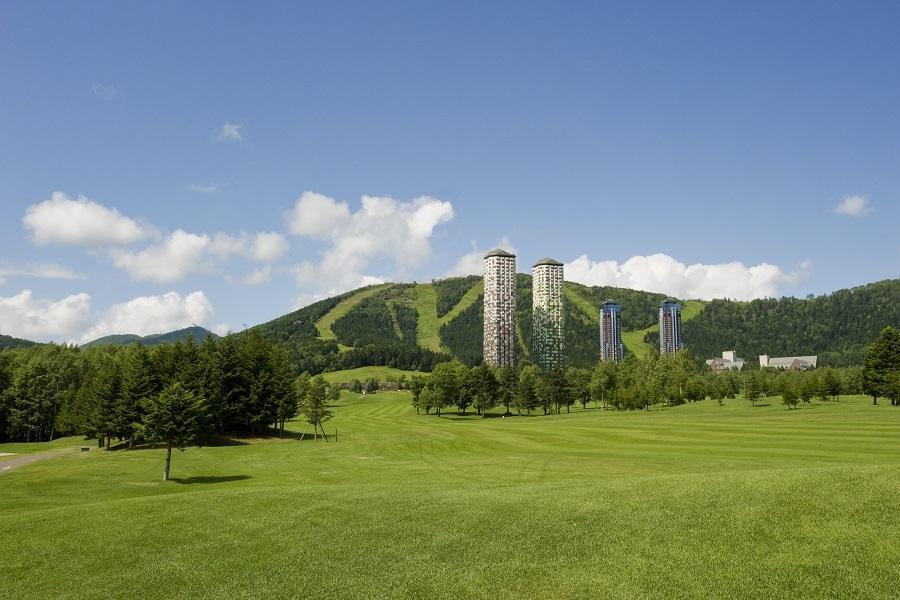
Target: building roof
786,362
669,301
548,261
610,303
499,252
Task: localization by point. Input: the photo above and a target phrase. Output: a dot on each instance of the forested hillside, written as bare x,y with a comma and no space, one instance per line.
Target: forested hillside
837,327
197,333
7,341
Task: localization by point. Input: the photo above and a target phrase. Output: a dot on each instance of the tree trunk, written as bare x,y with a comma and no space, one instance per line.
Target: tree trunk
168,462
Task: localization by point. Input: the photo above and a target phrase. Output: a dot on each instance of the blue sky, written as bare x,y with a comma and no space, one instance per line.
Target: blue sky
650,145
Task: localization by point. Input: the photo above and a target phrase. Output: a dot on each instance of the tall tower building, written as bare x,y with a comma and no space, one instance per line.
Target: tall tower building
500,309
547,315
670,326
611,347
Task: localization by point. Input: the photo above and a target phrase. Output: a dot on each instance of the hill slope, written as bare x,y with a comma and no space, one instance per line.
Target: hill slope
411,326
198,333
7,341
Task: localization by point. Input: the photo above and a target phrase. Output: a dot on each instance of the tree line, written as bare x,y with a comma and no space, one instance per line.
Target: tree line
237,384
633,384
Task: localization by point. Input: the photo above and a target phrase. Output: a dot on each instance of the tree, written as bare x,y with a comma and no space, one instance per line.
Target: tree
371,385
416,385
486,390
831,384
314,407
808,386
580,384
508,381
882,359
446,381
752,387
173,418
788,390
527,391
603,381
557,390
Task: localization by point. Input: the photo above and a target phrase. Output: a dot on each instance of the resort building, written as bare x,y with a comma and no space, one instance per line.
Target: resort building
670,340
730,360
790,363
500,309
547,315
611,347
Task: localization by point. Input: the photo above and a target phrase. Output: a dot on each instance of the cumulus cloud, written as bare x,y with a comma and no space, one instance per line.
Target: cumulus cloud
178,255
181,254
662,273
80,222
853,206
25,316
39,270
472,263
230,132
147,315
268,246
72,319
383,229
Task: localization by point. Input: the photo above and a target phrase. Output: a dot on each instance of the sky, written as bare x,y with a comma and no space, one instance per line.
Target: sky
168,164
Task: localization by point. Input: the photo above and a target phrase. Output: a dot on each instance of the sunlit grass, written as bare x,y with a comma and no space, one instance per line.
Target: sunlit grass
695,501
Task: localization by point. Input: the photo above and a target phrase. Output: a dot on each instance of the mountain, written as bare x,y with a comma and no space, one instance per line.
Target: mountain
11,342
198,333
414,325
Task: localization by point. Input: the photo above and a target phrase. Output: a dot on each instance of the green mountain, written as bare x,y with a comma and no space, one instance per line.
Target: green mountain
11,342
198,333
412,326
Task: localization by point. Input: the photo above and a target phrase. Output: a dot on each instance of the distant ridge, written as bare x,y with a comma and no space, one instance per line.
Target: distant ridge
11,342
198,333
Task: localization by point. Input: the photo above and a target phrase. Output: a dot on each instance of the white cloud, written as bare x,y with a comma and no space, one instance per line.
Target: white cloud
222,329
80,222
178,255
204,188
269,246
25,316
147,315
472,263
40,271
318,216
258,276
230,132
383,229
106,93
854,206
662,273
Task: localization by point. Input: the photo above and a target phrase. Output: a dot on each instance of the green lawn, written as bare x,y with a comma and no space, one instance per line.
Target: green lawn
429,325
634,340
363,373
689,502
323,325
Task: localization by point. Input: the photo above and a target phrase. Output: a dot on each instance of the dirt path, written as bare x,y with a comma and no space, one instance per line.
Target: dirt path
11,464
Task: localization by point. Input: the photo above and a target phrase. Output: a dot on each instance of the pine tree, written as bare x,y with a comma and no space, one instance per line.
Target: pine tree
174,418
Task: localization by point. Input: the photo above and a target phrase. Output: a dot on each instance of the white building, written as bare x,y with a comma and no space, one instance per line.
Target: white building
729,360
547,314
499,343
792,363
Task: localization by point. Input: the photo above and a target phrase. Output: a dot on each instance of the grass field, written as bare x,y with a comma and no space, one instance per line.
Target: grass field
687,502
634,340
429,325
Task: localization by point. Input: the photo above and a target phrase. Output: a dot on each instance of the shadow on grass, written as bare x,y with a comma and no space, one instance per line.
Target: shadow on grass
213,443
208,479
